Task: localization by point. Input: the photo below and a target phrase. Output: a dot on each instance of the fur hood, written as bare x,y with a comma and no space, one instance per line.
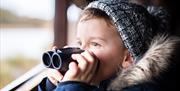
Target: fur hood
152,64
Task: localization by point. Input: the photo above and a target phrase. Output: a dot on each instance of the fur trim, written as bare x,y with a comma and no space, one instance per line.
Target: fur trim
155,61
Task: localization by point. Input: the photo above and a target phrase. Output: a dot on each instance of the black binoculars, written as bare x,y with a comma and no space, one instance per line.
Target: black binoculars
60,58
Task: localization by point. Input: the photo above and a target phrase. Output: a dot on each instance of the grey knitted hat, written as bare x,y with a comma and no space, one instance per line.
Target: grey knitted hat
134,23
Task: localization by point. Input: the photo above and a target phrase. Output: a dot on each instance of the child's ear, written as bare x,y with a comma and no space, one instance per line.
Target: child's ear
128,60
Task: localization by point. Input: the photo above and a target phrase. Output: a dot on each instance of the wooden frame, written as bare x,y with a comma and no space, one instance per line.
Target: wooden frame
60,24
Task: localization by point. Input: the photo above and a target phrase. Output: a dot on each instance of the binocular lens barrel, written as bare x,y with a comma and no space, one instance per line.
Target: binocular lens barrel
47,58
60,58
56,61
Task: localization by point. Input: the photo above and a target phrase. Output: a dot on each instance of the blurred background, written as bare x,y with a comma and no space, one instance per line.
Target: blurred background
26,31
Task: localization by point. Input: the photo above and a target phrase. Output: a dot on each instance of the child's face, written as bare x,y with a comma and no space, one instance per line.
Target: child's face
95,35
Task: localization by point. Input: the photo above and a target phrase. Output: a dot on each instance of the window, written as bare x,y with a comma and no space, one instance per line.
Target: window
26,31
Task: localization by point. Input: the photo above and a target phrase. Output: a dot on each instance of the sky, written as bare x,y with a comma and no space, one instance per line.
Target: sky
42,9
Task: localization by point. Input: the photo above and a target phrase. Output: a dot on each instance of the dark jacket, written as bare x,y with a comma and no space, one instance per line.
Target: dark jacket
145,75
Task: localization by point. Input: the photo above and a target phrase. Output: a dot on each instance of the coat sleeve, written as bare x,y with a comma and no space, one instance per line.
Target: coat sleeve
79,86
76,86
46,85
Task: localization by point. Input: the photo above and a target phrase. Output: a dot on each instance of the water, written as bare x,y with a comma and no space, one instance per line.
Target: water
27,42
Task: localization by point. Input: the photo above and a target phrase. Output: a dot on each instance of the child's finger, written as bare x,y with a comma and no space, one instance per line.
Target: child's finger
93,72
89,56
53,80
82,62
72,72
92,65
54,74
54,48
66,46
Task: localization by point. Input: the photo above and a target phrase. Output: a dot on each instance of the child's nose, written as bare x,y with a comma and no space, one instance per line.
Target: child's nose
84,47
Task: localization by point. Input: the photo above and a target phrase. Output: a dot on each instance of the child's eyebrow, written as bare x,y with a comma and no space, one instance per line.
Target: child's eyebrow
93,38
100,38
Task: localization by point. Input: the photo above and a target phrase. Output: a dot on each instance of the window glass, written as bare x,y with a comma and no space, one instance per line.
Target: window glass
73,14
26,31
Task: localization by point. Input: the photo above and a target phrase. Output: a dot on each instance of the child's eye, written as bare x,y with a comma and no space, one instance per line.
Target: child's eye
95,44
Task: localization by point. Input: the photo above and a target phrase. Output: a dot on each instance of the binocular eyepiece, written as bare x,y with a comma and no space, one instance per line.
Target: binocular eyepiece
60,58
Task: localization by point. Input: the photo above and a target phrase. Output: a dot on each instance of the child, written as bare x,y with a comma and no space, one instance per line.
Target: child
115,35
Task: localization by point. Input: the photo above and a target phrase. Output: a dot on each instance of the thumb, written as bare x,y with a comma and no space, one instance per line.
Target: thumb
72,72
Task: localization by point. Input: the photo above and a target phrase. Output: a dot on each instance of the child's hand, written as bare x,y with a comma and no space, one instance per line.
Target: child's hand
85,70
54,76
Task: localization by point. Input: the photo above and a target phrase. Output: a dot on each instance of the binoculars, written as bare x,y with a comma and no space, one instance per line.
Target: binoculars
60,58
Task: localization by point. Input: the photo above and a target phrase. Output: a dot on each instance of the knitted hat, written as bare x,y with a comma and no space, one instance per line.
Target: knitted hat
133,22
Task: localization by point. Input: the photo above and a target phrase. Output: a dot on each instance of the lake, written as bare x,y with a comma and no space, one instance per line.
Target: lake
26,42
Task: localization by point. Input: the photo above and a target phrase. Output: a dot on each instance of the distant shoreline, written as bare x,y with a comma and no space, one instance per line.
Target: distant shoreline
44,25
